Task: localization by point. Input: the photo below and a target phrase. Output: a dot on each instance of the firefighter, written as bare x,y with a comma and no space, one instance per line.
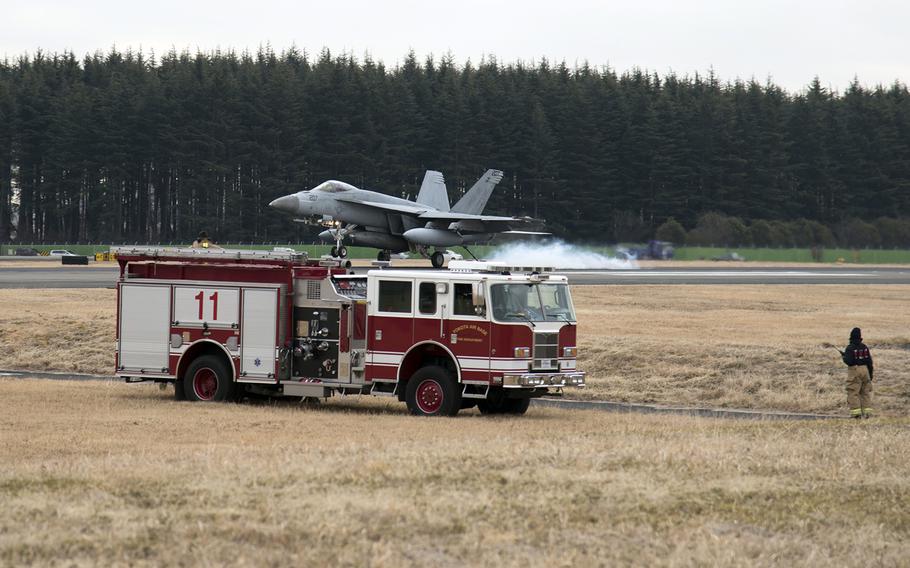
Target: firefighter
859,375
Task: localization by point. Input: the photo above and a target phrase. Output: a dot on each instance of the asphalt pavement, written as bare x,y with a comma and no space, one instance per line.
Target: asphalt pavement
104,277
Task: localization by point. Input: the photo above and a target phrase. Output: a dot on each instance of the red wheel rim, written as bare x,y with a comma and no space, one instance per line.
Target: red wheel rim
429,396
205,383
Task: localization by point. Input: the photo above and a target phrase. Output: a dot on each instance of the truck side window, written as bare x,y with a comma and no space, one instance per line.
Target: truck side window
394,296
426,300
464,302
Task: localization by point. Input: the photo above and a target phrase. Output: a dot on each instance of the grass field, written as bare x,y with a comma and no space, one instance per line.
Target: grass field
726,346
683,253
103,473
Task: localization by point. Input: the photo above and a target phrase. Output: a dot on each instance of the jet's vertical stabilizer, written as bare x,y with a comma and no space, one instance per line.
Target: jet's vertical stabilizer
476,198
433,191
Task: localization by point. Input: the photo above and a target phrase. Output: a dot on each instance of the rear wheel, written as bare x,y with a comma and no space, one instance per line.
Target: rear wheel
208,379
432,392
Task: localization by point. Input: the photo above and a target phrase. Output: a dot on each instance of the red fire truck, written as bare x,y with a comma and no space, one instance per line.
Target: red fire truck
224,324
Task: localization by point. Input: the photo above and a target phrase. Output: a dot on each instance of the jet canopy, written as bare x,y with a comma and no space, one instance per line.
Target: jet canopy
333,186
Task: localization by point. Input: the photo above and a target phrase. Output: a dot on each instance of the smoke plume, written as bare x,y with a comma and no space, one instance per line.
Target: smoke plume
558,254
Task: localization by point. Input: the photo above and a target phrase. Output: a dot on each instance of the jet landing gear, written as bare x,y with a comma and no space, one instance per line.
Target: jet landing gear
437,258
339,250
384,255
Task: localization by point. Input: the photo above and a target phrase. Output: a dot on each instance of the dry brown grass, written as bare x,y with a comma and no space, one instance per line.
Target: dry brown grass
733,346
58,330
103,473
741,346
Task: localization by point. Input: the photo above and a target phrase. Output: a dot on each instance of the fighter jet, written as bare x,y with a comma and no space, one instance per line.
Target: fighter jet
392,224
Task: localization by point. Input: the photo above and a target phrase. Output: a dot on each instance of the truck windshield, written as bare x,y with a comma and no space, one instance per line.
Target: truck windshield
531,302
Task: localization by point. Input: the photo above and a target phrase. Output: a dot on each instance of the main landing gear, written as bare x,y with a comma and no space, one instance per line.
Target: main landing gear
437,259
384,255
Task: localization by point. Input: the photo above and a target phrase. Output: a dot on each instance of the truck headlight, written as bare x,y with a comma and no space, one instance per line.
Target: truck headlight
570,351
523,352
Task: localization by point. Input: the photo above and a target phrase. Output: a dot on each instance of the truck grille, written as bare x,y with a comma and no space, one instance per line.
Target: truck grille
546,349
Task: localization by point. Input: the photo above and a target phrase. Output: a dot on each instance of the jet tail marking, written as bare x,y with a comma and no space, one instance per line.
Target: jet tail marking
475,200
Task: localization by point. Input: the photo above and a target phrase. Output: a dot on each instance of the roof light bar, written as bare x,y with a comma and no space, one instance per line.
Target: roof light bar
494,266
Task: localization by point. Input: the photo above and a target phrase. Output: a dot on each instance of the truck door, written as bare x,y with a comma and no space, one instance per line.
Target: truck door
144,325
468,333
390,330
432,302
259,334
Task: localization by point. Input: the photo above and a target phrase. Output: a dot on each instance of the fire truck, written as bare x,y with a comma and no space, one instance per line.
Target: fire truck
221,325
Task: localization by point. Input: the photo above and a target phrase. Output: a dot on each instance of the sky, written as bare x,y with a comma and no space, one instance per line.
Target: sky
789,42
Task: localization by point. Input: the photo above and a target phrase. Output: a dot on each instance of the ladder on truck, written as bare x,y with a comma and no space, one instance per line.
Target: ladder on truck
209,253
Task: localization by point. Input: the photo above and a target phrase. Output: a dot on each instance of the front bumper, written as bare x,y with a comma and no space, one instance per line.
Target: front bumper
537,380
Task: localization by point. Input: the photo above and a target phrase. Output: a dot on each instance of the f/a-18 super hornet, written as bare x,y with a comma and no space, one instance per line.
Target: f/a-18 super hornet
392,224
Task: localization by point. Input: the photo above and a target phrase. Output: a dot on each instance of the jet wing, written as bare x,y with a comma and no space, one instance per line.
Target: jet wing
449,216
416,210
467,223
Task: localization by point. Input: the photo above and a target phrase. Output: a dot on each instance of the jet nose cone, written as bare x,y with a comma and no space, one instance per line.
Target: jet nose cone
288,204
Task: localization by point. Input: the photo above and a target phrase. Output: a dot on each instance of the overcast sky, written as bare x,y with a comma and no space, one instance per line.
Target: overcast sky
789,41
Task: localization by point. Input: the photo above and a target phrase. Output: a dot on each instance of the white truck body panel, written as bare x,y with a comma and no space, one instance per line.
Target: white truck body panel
258,335
144,327
217,307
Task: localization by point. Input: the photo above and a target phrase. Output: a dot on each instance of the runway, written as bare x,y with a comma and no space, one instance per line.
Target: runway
104,277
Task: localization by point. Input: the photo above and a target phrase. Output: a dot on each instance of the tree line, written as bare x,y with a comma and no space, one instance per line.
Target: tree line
124,146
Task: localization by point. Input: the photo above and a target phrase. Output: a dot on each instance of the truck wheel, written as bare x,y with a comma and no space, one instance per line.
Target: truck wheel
497,403
432,392
515,405
437,259
179,392
208,379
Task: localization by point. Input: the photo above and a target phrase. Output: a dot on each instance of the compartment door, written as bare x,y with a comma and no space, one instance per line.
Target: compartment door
145,313
259,334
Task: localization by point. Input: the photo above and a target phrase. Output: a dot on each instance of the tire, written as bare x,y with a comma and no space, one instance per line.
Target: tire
437,259
208,379
179,392
334,252
384,255
497,403
432,392
343,251
493,403
516,406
